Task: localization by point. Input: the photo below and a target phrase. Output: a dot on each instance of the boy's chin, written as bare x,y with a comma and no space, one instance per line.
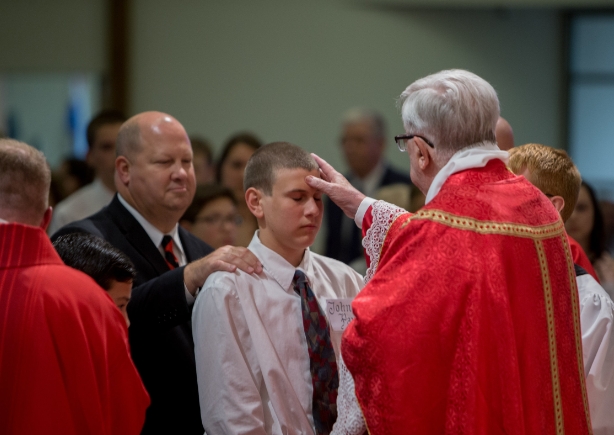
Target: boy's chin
304,242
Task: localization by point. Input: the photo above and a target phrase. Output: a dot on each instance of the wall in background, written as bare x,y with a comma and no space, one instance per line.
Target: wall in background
52,60
288,70
591,110
52,36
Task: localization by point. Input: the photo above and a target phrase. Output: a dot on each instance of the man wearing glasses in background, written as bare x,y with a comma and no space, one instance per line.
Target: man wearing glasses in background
363,142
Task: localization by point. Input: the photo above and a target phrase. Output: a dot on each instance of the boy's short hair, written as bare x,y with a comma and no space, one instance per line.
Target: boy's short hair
552,171
95,257
261,167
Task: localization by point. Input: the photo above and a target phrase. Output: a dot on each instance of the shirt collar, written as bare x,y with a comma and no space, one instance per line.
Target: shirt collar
278,267
476,156
154,234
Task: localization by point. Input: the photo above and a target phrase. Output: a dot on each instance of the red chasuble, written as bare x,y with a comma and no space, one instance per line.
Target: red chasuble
470,324
65,367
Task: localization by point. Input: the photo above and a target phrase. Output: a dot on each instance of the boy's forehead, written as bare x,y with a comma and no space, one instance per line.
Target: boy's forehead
283,176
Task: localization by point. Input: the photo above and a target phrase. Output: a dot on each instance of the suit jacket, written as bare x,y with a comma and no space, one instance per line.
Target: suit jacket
160,330
335,246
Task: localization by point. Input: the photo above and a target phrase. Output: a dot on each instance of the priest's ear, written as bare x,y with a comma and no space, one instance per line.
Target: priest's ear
557,201
422,153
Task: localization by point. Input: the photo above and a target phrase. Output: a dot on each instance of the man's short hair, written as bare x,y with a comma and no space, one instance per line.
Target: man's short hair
203,196
454,109
202,146
95,257
103,118
128,140
551,170
24,181
264,163
358,114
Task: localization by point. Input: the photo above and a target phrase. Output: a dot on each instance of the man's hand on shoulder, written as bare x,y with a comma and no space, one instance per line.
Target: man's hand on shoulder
224,259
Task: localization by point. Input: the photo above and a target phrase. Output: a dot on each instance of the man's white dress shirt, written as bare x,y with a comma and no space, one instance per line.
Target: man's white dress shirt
81,204
252,360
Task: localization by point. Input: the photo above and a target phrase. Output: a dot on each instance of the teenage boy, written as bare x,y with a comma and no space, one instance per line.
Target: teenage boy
108,266
553,172
266,354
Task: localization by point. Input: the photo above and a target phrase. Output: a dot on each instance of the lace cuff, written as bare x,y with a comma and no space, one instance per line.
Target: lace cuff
384,215
349,416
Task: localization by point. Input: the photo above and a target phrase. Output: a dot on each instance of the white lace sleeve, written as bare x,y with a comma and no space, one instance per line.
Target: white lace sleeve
349,416
384,215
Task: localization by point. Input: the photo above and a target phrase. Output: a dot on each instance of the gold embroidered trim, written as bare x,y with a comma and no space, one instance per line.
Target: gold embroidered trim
576,326
489,227
554,368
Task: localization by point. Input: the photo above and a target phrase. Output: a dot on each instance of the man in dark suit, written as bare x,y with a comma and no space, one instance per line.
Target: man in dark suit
363,142
155,181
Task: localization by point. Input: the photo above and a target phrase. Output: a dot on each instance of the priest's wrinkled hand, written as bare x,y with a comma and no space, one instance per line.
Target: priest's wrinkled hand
338,189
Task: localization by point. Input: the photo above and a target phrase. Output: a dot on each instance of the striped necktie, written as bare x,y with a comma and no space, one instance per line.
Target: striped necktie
322,362
169,255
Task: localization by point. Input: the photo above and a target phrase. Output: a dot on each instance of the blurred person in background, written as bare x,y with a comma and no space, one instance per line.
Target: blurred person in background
230,168
586,226
101,136
213,216
363,142
204,169
108,266
72,175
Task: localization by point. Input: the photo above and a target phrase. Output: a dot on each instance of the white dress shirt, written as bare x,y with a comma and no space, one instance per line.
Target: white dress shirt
252,360
81,204
596,317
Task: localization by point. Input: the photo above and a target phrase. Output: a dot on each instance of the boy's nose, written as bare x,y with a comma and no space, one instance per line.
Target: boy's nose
311,208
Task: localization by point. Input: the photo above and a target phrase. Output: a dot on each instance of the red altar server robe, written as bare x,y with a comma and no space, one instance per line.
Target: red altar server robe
580,258
470,324
65,366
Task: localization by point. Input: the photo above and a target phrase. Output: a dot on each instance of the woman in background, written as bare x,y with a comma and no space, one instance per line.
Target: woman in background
236,153
586,226
213,216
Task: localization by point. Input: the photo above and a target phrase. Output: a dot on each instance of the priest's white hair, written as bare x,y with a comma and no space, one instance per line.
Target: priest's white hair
454,109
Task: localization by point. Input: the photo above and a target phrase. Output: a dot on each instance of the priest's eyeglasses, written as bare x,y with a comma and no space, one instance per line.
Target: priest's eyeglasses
402,141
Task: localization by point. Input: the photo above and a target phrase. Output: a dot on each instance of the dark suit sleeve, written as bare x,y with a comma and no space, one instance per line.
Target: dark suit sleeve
160,303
